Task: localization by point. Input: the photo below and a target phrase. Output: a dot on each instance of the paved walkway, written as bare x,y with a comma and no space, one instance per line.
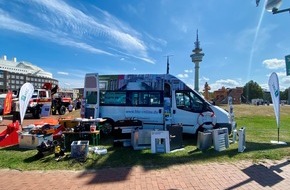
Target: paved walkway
244,175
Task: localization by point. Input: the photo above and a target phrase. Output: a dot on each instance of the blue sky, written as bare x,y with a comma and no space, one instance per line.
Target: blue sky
241,42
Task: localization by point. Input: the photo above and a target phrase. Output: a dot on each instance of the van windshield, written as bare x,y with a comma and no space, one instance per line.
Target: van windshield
35,93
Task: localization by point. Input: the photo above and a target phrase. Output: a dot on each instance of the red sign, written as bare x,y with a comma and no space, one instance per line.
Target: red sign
8,103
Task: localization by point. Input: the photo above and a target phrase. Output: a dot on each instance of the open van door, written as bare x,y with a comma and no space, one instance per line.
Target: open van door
91,96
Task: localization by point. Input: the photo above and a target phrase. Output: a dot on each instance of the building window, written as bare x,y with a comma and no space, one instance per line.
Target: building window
1,76
1,83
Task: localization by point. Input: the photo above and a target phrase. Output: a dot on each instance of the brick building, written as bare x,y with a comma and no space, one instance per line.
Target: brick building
221,95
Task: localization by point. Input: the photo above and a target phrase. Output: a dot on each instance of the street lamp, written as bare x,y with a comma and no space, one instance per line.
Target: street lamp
273,6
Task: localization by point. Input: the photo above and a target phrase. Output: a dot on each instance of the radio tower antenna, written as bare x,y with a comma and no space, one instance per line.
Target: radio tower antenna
167,67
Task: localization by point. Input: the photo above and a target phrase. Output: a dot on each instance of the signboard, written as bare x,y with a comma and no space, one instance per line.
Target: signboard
287,61
25,94
275,94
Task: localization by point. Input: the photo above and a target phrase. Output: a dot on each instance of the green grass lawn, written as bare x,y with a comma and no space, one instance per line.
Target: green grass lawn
259,122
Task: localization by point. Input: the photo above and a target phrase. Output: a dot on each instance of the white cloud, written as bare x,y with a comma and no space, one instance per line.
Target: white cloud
264,86
157,40
56,19
182,75
281,74
62,73
274,63
204,79
9,23
188,71
136,57
286,80
227,83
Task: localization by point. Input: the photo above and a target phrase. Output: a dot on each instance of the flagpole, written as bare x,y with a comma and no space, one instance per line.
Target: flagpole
278,133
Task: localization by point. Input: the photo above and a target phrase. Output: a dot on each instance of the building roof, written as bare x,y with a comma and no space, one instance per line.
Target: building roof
23,67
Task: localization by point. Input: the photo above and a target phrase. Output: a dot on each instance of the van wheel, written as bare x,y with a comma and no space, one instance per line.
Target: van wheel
106,128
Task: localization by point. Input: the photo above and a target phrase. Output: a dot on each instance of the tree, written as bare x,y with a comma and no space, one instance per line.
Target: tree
251,90
284,95
267,97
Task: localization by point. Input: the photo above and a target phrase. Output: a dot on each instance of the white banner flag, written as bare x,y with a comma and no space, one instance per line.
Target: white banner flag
275,94
25,94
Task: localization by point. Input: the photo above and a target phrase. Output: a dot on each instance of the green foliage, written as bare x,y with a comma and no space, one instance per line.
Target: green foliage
251,90
284,95
267,97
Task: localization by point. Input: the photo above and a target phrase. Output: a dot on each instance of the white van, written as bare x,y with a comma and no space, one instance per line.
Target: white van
155,99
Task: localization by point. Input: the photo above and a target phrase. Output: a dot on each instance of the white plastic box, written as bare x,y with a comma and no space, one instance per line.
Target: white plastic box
79,149
31,141
221,139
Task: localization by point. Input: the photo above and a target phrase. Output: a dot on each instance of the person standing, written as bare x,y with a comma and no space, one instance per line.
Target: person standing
70,107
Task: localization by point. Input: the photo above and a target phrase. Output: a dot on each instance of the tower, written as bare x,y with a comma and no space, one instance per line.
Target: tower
196,58
167,67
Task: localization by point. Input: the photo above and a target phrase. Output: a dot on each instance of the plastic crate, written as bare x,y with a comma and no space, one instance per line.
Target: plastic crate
79,149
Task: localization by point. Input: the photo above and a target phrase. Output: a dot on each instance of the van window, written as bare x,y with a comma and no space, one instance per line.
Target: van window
92,97
112,98
132,98
146,98
42,94
187,100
